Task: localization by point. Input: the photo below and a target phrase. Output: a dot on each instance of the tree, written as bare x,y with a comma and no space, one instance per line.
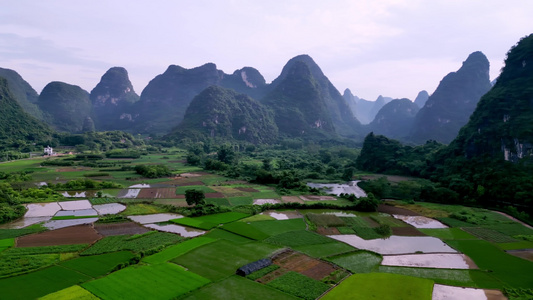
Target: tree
195,197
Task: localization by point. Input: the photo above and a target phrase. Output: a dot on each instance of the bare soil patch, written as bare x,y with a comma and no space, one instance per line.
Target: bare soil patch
81,234
214,195
158,193
272,275
190,183
303,264
228,191
407,231
494,295
317,198
289,199
248,190
394,210
327,230
120,228
525,254
174,202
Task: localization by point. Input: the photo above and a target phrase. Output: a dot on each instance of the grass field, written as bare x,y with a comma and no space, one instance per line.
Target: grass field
246,230
220,234
142,209
324,250
448,233
135,243
245,200
177,250
43,282
275,227
97,265
357,262
298,238
160,281
507,268
222,258
236,287
299,285
371,286
74,292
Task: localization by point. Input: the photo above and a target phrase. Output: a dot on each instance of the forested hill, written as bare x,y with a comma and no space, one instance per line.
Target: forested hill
221,113
17,128
22,91
452,103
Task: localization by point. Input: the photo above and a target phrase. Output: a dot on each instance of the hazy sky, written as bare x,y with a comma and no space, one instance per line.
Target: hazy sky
394,48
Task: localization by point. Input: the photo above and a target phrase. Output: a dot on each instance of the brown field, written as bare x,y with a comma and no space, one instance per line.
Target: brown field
327,230
158,193
395,210
120,228
407,231
214,195
175,202
317,198
525,254
247,190
288,199
81,234
272,275
303,264
185,182
229,191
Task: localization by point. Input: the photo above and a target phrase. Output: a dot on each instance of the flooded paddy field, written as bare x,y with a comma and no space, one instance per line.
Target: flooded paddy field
437,260
350,188
154,218
396,244
177,229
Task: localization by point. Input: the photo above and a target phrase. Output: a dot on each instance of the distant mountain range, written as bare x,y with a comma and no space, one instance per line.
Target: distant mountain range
302,101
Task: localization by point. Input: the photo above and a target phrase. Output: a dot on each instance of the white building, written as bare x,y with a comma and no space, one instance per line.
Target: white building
48,151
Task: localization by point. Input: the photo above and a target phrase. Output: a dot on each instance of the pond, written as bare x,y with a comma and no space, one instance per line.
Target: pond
42,209
337,188
154,218
75,205
438,261
109,208
24,222
397,244
283,215
173,228
420,221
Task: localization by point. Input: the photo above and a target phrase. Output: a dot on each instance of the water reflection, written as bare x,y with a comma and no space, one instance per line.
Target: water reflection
181,230
154,218
109,208
397,244
337,189
56,224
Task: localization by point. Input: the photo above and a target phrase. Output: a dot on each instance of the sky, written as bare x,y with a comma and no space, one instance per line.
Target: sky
393,48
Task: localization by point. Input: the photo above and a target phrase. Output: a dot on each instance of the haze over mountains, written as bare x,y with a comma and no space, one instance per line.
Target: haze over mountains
302,101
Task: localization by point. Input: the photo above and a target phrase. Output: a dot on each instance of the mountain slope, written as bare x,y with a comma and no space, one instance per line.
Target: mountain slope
223,113
17,128
65,107
112,100
24,94
395,119
452,103
421,98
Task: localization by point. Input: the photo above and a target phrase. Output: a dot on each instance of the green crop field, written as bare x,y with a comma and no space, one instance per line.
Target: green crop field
160,281
236,287
507,268
42,282
371,286
245,230
245,200
299,285
448,233
275,227
324,250
220,234
97,265
222,258
357,262
11,265
177,250
325,220
12,233
490,235
74,292
135,243
210,221
218,201
194,222
298,238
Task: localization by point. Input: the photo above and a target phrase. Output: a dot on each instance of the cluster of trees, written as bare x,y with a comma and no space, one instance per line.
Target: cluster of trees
83,184
153,171
10,207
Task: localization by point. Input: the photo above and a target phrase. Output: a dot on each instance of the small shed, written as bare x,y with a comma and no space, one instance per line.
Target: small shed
254,266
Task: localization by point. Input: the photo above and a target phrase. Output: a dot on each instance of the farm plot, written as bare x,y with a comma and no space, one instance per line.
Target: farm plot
370,286
243,200
177,229
303,264
525,254
438,261
443,292
174,202
154,218
97,265
62,222
135,243
275,227
309,243
109,208
43,282
182,189
83,234
177,250
138,282
455,277
12,233
246,230
325,220
283,215
158,193
236,287
210,221
220,234
397,244
119,228
299,285
357,261
420,221
222,258
490,235
42,209
11,265
448,234
71,293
